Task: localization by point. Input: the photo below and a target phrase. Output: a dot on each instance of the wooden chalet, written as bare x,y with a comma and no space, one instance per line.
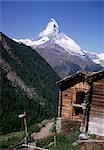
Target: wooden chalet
81,99
94,116
71,98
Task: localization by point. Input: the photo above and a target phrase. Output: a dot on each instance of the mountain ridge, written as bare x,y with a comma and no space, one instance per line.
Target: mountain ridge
61,52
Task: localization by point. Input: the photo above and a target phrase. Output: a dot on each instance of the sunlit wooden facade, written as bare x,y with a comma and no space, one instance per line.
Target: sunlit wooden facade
81,99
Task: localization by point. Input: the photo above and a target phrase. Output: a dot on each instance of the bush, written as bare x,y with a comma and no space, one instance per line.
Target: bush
34,128
11,139
93,136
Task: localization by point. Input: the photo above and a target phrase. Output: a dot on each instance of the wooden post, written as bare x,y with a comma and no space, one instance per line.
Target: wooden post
26,132
25,124
55,140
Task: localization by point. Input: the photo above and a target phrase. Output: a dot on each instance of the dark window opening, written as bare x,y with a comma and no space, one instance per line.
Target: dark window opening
80,97
78,111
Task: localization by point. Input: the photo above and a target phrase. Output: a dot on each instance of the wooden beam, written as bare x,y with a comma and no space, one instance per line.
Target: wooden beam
34,147
77,105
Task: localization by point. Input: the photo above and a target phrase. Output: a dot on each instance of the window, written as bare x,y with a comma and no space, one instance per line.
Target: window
80,97
78,110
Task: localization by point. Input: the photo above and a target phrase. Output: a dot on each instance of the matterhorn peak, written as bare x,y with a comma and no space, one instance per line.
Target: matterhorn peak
51,29
52,33
54,23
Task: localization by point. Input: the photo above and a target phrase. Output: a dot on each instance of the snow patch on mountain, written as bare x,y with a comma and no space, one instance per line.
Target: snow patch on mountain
68,44
27,42
96,58
101,55
31,43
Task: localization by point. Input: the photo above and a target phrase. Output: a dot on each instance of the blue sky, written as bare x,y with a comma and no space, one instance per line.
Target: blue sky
83,21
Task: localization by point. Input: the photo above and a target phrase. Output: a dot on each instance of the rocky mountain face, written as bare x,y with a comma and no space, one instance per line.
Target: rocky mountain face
27,83
63,53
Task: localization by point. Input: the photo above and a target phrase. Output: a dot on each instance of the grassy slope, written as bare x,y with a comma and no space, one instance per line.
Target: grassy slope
63,141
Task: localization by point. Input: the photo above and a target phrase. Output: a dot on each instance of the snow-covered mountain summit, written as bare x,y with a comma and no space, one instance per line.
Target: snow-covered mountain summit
53,34
52,38
51,29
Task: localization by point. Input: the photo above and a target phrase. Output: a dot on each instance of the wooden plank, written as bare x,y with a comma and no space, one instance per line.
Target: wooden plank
67,100
99,82
67,105
67,91
66,113
90,141
95,109
66,116
98,93
66,110
97,100
98,85
99,112
98,89
98,96
97,104
96,114
67,94
100,101
35,147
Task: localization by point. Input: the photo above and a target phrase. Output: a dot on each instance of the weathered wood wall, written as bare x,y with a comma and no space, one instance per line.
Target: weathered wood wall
96,118
66,100
97,105
93,86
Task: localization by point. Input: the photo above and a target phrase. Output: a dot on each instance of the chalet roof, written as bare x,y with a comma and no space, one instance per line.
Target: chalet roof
80,76
96,76
73,79
77,74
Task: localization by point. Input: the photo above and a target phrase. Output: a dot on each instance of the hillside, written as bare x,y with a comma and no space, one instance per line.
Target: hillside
27,84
